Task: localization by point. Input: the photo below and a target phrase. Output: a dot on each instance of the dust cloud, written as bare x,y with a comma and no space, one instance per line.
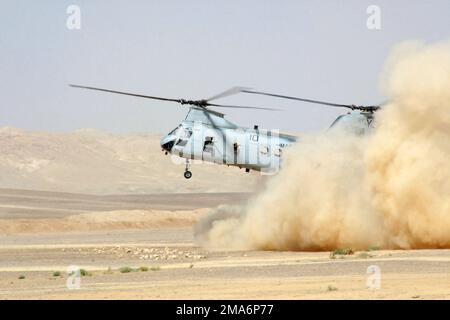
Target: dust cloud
389,189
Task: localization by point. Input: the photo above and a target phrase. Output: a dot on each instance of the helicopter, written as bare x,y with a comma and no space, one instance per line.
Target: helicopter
206,135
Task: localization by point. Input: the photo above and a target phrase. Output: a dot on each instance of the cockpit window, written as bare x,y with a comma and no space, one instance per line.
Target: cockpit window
181,132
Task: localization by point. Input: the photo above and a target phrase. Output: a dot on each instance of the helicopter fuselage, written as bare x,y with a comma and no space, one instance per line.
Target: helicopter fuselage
207,136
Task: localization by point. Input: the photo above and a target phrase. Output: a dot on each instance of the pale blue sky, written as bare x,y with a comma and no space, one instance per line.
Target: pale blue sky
194,49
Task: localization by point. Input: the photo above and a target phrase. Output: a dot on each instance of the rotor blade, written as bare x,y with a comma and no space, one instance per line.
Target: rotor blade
240,107
229,92
300,99
126,93
198,103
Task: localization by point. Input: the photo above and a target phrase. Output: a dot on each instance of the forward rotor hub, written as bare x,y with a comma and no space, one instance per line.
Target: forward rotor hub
198,103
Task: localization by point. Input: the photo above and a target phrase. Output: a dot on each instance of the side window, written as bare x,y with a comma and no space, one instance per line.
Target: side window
264,149
209,145
278,151
254,137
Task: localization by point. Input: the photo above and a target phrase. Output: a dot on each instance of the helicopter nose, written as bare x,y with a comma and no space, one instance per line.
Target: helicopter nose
167,143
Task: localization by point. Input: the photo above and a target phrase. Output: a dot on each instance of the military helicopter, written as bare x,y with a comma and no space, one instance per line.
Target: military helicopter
207,136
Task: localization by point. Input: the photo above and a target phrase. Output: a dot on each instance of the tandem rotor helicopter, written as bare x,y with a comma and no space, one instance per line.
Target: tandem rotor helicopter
206,135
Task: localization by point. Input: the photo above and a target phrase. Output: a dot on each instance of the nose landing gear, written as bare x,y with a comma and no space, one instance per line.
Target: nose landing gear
187,173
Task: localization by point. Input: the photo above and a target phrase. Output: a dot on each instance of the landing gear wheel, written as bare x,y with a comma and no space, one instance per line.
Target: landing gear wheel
187,173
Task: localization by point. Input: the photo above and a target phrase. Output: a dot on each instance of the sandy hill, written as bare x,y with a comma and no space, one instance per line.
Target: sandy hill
89,161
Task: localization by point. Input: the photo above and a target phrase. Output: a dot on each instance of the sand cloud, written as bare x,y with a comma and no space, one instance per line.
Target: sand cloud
390,188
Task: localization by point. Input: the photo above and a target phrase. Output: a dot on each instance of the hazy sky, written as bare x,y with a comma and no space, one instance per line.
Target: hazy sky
194,49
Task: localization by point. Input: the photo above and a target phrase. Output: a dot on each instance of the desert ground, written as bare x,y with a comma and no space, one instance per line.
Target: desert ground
120,210
142,247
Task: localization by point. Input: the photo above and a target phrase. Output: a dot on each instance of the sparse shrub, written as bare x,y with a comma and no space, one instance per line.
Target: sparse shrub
56,274
143,269
21,277
341,253
155,268
125,270
346,252
332,288
84,273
